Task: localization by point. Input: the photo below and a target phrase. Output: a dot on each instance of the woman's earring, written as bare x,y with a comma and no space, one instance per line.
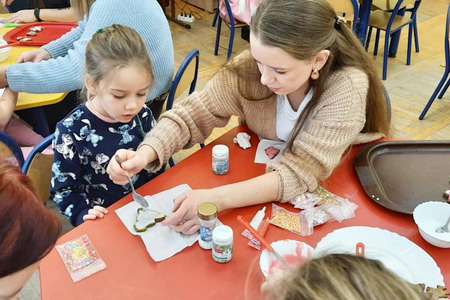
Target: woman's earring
315,74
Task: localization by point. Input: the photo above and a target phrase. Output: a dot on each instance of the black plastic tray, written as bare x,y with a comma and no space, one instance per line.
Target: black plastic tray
400,175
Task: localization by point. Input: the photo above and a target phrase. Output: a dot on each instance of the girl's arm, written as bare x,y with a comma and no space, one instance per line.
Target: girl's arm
7,104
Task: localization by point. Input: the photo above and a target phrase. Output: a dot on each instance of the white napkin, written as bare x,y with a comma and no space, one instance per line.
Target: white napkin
161,241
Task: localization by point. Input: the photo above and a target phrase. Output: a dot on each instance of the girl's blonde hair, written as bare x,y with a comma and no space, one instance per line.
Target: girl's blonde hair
116,47
303,28
346,277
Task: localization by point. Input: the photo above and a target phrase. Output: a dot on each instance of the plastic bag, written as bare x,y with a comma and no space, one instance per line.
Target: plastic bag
285,219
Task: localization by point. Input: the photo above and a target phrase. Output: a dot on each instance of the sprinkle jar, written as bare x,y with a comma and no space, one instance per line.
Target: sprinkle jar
222,244
220,161
207,215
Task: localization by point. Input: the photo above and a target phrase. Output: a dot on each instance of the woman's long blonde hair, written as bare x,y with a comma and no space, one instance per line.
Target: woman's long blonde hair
303,28
82,7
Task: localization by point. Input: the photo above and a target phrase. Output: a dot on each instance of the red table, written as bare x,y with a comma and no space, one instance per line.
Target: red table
192,274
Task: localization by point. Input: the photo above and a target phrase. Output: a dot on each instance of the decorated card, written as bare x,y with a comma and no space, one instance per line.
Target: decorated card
80,258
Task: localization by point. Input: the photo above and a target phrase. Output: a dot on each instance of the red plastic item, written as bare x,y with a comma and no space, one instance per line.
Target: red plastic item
50,32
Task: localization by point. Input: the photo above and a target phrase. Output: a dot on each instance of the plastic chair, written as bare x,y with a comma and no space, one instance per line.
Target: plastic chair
233,24
38,167
185,77
9,148
446,71
391,22
346,8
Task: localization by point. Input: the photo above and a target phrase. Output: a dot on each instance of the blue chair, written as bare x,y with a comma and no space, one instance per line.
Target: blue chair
185,77
9,148
446,71
392,22
233,24
38,167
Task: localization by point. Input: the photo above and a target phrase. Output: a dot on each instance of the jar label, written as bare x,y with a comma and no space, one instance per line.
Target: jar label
220,167
206,237
222,254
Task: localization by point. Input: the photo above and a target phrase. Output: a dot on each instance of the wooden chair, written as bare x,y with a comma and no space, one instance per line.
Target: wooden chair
388,5
185,77
446,71
391,22
348,9
38,167
232,24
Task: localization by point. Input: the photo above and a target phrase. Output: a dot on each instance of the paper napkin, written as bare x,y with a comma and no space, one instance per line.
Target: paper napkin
161,241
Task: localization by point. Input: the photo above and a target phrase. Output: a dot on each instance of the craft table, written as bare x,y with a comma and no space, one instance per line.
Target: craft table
26,100
192,274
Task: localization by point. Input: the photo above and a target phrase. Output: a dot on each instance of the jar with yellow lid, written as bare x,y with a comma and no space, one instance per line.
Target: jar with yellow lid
207,215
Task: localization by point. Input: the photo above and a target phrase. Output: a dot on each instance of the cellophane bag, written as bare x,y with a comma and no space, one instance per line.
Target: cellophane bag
285,219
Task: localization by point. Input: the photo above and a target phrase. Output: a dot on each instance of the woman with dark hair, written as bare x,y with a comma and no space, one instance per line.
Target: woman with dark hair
306,81
28,230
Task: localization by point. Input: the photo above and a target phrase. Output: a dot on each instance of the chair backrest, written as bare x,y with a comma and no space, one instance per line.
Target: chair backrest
185,77
348,9
447,39
9,148
38,167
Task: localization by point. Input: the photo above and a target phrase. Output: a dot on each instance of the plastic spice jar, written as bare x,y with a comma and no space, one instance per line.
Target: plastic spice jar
220,161
222,244
207,215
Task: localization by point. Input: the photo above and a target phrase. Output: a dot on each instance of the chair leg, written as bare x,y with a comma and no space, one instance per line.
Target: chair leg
408,50
377,39
441,94
433,96
385,54
171,162
416,35
219,26
230,42
216,15
369,34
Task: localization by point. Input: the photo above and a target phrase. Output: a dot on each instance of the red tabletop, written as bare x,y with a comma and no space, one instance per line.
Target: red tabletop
192,274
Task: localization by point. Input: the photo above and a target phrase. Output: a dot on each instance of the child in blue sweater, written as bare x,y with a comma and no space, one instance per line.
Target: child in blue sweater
118,79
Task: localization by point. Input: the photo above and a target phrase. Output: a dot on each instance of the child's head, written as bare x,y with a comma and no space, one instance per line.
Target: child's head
118,72
344,277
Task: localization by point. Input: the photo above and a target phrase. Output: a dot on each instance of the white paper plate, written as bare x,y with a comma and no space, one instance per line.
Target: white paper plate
294,252
261,156
397,253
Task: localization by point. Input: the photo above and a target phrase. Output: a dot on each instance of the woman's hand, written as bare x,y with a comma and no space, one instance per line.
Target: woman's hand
97,212
132,162
34,56
184,218
22,16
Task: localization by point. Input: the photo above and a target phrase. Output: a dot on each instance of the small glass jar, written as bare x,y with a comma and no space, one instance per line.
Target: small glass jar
222,244
207,215
220,161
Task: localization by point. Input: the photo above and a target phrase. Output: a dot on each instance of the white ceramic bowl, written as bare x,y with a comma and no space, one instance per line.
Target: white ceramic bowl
429,216
4,52
294,252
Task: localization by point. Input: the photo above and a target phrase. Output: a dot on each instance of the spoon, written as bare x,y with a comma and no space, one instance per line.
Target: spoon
444,228
138,198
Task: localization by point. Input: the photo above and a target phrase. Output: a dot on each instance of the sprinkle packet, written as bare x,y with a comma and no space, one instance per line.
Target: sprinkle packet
285,219
80,258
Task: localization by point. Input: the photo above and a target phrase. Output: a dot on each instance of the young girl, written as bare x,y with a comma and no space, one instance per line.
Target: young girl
118,79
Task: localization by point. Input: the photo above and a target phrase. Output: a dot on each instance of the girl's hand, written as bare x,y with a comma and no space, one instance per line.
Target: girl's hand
271,287
34,56
95,212
184,218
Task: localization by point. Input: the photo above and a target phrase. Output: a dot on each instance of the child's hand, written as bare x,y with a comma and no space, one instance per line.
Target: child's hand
95,212
270,287
7,104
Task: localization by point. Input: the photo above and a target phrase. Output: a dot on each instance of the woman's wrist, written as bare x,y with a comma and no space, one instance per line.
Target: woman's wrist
147,152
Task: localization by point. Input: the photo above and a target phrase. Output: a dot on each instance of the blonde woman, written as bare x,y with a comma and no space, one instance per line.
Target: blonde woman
306,81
